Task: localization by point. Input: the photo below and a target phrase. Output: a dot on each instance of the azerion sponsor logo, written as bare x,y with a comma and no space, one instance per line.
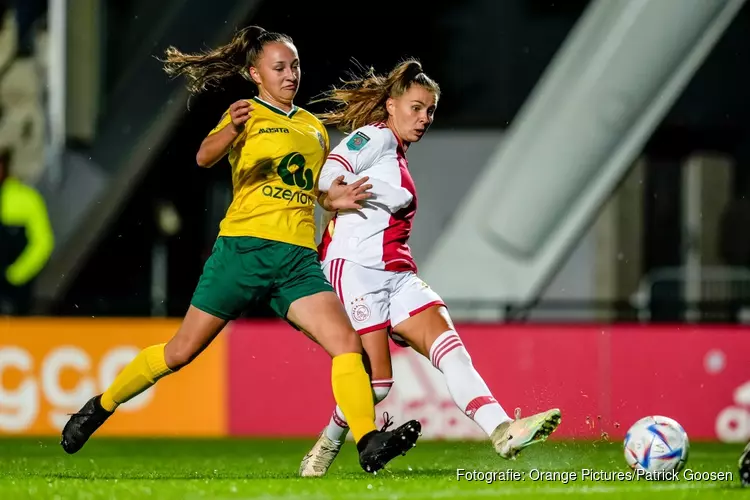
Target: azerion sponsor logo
293,173
280,193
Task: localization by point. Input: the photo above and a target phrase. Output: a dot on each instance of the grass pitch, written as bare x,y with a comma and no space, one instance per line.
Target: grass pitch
266,469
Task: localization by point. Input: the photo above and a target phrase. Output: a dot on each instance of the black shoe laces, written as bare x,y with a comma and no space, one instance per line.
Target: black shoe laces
388,421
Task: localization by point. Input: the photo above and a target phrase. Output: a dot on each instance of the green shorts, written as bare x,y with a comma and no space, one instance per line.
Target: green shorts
243,271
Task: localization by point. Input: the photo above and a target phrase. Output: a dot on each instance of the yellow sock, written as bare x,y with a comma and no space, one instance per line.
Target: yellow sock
143,372
353,393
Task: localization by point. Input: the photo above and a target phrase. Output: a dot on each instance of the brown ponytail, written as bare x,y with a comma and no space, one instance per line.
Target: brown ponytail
361,100
209,68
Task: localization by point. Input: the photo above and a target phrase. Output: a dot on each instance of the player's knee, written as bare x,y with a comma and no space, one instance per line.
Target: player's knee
345,342
179,354
380,389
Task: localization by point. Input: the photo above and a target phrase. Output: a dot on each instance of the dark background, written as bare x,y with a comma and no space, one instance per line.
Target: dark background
487,57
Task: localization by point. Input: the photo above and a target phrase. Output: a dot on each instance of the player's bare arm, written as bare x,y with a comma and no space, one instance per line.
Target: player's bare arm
215,146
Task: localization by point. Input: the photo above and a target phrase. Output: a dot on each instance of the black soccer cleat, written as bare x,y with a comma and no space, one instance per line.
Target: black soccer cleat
83,424
378,448
745,466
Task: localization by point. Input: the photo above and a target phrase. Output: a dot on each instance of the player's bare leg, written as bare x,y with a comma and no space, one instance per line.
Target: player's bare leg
196,332
322,316
377,361
432,334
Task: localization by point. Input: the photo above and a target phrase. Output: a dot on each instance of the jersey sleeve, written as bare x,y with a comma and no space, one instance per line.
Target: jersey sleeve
352,157
225,120
359,150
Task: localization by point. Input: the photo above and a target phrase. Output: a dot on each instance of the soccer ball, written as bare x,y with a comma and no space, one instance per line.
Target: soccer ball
656,444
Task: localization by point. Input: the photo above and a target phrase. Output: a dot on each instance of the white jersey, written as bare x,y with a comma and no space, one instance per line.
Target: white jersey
375,236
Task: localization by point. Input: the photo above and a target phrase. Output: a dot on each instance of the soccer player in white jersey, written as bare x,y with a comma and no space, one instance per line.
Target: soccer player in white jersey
366,257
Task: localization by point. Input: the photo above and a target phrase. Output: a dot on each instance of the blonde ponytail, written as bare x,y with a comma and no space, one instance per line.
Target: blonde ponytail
208,69
361,100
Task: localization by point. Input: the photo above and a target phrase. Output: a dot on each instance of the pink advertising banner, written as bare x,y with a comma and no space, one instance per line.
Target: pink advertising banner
603,378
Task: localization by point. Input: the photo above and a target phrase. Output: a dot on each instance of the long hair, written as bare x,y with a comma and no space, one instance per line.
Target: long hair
207,69
361,100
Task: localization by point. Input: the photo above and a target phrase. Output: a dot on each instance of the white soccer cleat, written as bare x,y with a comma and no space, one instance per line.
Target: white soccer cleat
511,437
320,458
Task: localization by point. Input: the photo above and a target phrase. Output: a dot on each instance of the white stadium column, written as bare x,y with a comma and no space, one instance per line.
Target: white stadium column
609,86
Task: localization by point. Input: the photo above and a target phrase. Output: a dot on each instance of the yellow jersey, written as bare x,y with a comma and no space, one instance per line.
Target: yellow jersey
276,161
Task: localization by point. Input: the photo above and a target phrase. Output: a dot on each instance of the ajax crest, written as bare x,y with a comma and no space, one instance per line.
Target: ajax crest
360,311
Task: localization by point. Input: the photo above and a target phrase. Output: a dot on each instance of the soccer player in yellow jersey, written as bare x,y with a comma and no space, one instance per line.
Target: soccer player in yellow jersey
266,247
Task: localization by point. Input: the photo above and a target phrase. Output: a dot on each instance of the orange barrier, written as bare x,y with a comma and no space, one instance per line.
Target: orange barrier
50,367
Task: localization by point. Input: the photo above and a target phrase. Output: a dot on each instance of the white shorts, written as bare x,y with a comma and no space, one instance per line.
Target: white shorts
375,299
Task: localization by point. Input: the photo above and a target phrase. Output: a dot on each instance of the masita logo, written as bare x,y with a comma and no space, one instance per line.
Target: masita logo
273,130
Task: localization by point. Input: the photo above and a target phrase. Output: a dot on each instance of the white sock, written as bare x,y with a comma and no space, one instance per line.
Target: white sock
466,386
337,427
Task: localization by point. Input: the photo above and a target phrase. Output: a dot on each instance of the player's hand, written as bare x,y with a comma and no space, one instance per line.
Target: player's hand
343,196
240,113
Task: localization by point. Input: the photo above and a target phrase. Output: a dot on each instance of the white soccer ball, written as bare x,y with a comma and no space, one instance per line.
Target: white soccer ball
656,444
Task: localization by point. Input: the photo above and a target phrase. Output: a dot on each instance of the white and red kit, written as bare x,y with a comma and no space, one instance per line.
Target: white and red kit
365,253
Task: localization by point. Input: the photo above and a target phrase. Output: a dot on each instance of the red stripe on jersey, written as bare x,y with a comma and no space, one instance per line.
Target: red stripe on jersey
400,151
396,252
341,160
